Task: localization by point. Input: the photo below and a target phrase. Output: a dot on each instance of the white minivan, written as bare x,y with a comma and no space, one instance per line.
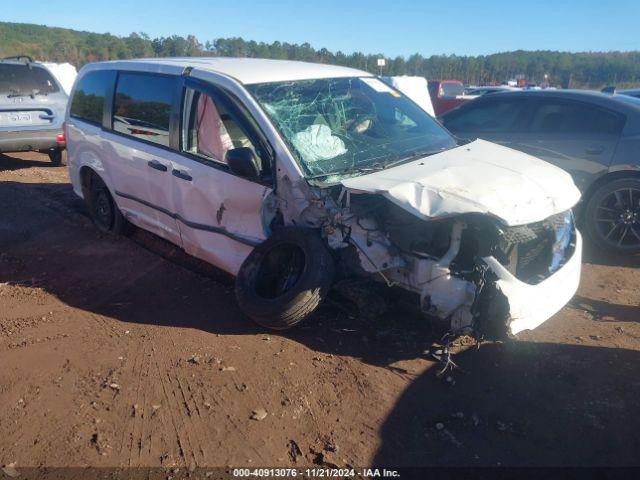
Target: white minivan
298,178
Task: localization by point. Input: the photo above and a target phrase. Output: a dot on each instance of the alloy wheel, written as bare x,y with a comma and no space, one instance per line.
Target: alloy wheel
618,218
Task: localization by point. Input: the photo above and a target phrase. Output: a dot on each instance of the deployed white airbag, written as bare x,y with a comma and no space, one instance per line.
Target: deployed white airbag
317,143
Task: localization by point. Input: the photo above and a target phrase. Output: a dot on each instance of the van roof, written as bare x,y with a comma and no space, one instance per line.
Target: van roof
245,70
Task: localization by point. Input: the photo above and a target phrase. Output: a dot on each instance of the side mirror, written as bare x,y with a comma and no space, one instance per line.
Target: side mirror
243,162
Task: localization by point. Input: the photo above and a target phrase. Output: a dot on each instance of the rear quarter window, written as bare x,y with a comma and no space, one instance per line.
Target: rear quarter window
142,106
88,99
563,117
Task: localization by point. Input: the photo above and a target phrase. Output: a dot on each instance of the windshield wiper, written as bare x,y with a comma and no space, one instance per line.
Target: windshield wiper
416,154
17,93
380,166
369,169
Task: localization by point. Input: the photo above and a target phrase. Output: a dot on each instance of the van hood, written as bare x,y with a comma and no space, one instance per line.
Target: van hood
480,177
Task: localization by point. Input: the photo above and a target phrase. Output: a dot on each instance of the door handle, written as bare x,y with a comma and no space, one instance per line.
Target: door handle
182,175
157,165
44,116
594,150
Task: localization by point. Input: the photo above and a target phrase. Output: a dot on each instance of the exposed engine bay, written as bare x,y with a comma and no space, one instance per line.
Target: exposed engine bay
447,263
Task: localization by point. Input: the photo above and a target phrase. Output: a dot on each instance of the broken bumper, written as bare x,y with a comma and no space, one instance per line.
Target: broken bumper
532,305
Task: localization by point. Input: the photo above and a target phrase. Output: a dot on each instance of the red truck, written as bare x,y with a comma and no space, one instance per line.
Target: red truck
445,94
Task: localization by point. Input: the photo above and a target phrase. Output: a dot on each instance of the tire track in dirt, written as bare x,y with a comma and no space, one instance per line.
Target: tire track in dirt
146,413
186,450
157,424
189,410
128,428
139,409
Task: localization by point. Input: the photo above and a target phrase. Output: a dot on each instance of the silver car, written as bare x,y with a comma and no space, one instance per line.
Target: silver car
32,108
593,136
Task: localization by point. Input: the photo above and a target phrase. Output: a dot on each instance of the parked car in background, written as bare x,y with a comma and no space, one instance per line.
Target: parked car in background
295,176
593,136
445,94
32,108
471,93
632,93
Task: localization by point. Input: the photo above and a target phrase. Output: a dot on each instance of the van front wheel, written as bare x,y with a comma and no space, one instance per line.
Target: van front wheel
285,278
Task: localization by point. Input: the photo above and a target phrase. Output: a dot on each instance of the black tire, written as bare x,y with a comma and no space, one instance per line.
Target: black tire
104,212
612,216
285,278
55,156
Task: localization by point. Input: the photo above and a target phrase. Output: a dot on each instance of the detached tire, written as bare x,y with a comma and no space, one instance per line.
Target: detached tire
284,279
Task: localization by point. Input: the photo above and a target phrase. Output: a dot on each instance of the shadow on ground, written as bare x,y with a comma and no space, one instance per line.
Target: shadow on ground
592,254
518,404
525,404
12,163
48,241
604,311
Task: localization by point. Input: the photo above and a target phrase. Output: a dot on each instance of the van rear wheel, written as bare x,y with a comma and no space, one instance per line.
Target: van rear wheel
104,212
285,278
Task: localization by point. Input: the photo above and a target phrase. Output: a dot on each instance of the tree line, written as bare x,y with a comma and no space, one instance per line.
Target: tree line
564,69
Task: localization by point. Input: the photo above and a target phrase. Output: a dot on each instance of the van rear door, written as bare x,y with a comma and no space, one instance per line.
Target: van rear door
140,157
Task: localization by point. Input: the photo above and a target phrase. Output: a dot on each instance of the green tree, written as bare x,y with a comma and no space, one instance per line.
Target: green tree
581,70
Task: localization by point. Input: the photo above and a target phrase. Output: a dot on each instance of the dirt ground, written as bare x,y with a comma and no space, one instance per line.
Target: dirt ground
126,352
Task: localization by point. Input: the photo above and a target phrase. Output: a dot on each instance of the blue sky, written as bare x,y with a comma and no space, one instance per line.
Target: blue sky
390,27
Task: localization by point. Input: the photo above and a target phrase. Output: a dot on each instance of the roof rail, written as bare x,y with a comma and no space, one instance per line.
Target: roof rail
19,57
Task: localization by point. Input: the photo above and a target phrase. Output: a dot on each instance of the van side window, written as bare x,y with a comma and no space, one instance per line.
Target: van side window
88,99
212,130
142,106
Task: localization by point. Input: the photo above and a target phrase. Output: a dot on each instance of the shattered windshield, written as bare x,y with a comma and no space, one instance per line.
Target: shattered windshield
25,80
341,127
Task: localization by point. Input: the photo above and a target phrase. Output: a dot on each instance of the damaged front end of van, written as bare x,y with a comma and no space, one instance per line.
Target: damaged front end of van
482,246
482,237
